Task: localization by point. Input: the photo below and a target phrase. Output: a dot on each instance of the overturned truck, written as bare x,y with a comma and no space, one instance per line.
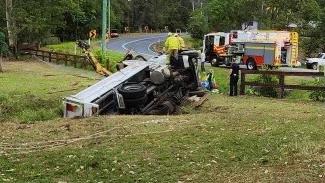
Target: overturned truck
142,87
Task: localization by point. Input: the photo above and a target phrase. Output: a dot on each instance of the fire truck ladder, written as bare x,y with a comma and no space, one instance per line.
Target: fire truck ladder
294,48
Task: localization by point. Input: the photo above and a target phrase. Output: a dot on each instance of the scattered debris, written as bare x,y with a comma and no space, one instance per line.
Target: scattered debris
201,101
49,75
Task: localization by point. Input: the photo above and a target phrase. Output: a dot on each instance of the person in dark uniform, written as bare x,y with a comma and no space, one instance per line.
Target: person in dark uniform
234,77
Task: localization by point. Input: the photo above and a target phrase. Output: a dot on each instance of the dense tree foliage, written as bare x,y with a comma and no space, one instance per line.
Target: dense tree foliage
225,15
44,20
39,20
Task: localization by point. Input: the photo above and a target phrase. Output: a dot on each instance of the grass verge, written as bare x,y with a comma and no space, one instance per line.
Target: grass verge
33,91
243,139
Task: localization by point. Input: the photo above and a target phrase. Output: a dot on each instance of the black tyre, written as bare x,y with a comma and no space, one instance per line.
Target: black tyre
132,90
215,62
251,64
314,66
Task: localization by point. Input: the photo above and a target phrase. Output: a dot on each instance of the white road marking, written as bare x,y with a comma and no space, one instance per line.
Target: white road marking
138,40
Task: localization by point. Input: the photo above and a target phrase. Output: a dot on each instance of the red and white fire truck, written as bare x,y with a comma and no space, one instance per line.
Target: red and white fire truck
252,48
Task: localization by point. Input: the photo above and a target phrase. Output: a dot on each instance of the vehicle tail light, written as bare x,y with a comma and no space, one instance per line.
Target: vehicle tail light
71,107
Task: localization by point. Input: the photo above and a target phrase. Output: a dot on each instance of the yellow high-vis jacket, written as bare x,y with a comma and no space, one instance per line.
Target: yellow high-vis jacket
172,43
181,42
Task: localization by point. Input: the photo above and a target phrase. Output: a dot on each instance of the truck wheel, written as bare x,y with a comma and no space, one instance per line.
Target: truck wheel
314,66
132,90
251,64
215,62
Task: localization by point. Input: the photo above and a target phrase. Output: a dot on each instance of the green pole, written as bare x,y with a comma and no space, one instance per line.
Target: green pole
104,26
109,17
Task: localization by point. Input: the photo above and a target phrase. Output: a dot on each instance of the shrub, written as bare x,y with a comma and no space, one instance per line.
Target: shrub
266,91
3,45
320,94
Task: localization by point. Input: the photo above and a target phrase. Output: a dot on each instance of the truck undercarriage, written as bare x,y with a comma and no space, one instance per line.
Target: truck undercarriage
141,87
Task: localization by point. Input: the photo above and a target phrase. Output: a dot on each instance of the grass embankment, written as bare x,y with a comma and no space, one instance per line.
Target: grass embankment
242,139
70,48
33,91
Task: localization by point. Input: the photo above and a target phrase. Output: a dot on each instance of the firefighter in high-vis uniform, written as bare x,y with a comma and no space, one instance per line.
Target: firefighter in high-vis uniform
172,46
181,42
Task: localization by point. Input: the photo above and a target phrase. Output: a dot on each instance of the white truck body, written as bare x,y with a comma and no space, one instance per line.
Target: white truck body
85,103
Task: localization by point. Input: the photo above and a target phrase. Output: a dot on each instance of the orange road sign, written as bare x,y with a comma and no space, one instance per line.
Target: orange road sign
92,34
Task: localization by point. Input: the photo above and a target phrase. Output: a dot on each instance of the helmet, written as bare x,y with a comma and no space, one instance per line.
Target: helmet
170,34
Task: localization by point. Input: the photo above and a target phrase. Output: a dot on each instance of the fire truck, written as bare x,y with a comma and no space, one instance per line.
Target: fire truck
252,48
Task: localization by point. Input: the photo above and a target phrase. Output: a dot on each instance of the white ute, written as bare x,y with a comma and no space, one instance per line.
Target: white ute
313,63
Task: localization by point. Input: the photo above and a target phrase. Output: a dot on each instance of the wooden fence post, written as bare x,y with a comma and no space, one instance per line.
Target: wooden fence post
50,57
43,55
75,61
281,83
242,83
57,58
65,60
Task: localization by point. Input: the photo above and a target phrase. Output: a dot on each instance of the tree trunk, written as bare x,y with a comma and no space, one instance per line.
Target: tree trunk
11,26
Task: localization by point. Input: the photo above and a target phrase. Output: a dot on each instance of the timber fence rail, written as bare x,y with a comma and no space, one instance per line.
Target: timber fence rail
281,84
76,61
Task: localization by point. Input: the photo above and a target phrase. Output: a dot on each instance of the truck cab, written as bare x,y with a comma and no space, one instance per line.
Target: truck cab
313,63
214,47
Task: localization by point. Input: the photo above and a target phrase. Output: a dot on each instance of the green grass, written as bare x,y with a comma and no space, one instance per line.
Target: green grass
228,139
243,139
69,48
32,91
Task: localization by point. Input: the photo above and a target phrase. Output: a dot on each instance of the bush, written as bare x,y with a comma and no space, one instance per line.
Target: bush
266,91
193,43
109,60
320,94
3,45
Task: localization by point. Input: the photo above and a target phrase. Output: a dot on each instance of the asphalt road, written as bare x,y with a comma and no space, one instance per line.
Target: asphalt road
139,43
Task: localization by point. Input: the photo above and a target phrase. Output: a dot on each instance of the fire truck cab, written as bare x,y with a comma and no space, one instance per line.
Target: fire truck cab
214,48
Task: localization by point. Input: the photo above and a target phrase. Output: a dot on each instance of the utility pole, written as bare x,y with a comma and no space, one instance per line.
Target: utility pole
129,16
109,19
104,26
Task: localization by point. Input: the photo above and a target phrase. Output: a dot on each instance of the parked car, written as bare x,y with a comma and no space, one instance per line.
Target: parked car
313,63
114,33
